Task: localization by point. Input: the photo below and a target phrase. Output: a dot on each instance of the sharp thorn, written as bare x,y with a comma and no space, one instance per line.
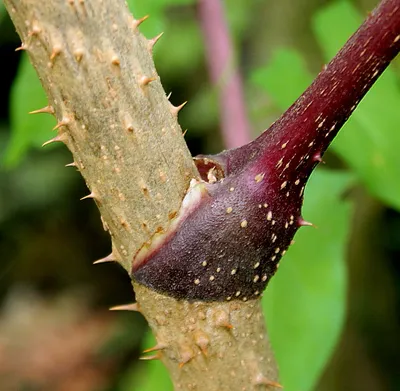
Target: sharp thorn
176,109
47,110
126,307
22,47
184,133
73,164
159,346
145,80
108,258
138,22
169,95
57,139
153,357
91,195
153,41
186,356
262,380
63,122
303,223
317,158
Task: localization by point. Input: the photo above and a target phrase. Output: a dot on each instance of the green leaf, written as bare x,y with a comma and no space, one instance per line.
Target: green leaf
284,78
305,301
27,130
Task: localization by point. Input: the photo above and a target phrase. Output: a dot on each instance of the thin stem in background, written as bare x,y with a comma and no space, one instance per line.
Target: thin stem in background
224,73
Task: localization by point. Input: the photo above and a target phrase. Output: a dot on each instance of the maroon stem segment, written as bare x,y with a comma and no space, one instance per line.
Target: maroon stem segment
300,137
224,73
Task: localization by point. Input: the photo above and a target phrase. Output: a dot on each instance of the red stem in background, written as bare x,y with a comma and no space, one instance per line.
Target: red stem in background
224,73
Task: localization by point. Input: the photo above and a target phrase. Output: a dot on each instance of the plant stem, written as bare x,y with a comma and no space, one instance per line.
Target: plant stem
224,73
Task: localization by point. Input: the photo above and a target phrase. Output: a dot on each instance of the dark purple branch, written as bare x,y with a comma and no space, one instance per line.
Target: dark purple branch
300,137
224,73
233,231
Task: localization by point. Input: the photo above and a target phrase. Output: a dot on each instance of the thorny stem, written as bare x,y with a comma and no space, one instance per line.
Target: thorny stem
224,73
100,79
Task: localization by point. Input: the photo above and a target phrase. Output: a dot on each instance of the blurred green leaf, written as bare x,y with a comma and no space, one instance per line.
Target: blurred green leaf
156,9
366,141
305,301
181,49
284,78
28,131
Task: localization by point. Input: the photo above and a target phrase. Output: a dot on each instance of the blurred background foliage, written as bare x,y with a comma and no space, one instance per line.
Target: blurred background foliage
333,310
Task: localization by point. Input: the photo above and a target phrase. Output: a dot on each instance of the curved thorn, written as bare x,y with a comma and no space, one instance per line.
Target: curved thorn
145,80
108,258
91,195
262,380
22,47
303,223
63,122
153,41
47,110
159,346
138,22
73,164
56,139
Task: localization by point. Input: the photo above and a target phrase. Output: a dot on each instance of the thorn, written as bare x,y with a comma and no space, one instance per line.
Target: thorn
22,47
36,30
58,138
91,195
47,110
138,22
64,122
184,132
303,223
73,164
108,258
156,356
55,52
159,346
126,307
153,41
78,54
202,341
317,158
186,355
169,95
221,319
176,109
144,80
115,60
262,380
